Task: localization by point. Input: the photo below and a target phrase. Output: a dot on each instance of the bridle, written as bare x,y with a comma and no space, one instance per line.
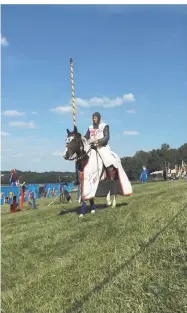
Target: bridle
81,156
68,141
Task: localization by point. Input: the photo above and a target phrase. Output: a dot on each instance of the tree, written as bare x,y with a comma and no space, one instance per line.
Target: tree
165,147
183,153
153,160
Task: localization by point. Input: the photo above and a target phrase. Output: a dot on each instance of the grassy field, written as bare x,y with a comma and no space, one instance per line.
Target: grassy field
132,259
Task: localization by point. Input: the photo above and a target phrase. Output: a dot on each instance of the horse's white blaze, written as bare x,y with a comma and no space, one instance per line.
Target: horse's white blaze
69,139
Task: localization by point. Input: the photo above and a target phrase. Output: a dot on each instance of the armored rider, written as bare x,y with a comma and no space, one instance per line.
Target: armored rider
99,134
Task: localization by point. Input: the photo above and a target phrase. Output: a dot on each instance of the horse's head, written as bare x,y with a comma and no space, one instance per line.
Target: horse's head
73,144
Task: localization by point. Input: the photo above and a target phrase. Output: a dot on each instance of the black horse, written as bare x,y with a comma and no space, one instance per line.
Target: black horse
75,150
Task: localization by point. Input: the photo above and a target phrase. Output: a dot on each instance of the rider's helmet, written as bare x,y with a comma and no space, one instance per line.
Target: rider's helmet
98,115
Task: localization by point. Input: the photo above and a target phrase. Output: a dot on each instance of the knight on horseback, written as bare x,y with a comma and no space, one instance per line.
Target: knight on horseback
92,156
99,134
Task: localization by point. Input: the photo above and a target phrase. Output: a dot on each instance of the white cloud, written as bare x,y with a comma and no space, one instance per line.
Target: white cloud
4,134
30,125
58,153
34,113
131,111
131,133
129,97
4,41
61,109
12,113
95,102
105,102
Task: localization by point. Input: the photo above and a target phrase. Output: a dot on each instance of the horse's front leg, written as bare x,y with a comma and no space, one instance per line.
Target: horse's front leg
82,208
92,206
79,194
114,201
79,199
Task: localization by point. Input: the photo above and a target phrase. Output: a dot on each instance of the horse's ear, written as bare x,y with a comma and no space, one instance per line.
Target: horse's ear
75,130
68,131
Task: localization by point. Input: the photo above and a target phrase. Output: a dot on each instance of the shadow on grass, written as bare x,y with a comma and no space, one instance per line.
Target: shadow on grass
78,306
9,212
99,206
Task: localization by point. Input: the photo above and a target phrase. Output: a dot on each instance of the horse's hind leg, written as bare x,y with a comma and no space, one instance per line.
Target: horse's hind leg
114,201
108,199
92,206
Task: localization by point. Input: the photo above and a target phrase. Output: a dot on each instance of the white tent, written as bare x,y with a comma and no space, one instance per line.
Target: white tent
156,172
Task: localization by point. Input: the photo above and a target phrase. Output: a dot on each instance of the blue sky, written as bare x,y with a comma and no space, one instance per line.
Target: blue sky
130,65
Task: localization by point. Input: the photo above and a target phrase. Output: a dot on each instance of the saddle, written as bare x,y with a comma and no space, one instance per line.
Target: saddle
111,172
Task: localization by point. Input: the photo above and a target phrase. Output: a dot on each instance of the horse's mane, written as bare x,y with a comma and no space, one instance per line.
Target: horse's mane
86,144
80,140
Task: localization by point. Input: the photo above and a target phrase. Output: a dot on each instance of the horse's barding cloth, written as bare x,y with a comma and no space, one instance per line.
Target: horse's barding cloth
93,170
107,156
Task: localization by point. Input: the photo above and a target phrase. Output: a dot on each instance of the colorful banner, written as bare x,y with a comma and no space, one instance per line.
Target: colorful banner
52,190
31,192
7,193
34,191
68,187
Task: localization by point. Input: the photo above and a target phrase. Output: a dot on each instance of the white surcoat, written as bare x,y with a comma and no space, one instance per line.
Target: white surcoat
97,133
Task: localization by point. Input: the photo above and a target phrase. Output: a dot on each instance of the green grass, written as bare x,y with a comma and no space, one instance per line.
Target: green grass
132,259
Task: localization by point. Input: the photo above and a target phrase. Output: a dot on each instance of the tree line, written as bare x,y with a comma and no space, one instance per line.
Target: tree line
154,160
39,178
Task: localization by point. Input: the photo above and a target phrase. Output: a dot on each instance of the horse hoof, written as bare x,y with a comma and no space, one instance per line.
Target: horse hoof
81,215
93,211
